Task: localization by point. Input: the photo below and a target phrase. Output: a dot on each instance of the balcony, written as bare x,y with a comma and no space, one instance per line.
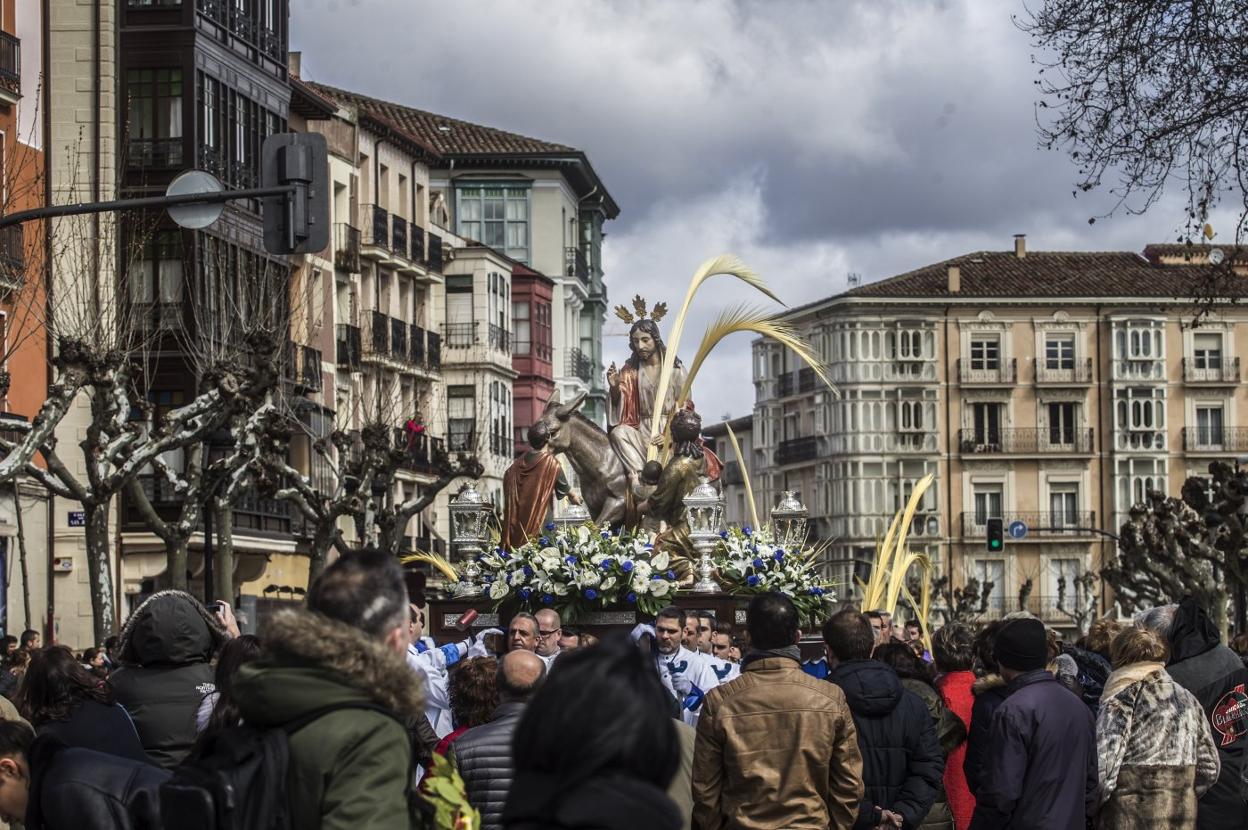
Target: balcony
988,373
872,526
154,154
1215,439
1225,373
421,453
1140,369
787,385
1079,373
254,514
459,335
417,242
12,257
876,443
347,248
416,345
1039,525
379,335
806,380
461,435
574,264
433,253
910,371
500,338
375,240
1140,440
796,450
433,350
10,67
398,340
307,368
154,319
398,236
348,346
271,44
579,365
1024,441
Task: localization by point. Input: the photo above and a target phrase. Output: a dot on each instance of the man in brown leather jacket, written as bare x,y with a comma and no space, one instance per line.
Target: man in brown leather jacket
775,748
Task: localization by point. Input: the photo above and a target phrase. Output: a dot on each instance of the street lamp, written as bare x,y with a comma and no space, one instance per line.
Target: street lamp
469,514
574,515
788,521
704,510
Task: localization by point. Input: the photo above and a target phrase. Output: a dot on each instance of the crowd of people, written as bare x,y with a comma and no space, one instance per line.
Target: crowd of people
688,723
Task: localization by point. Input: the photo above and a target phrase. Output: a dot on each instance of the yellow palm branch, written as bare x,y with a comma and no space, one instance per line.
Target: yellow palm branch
724,264
892,560
901,559
439,562
745,475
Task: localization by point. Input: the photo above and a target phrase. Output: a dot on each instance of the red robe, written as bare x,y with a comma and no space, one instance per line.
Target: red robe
528,486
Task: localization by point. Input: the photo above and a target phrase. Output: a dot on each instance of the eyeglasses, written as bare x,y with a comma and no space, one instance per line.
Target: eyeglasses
545,634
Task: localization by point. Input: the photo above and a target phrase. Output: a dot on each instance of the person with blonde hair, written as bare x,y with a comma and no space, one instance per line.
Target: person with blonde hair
1157,755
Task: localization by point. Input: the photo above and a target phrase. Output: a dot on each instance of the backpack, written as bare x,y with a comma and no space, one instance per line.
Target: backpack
237,780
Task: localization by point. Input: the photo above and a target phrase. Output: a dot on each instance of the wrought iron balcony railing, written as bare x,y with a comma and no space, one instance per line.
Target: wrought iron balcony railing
500,338
154,153
433,253
398,236
459,335
1024,440
347,248
376,227
1224,370
798,449
349,346
972,372
574,264
1076,372
10,62
1215,439
579,365
1067,524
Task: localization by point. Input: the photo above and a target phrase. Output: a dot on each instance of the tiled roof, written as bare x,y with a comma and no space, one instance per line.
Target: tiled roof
446,136
1042,274
1180,252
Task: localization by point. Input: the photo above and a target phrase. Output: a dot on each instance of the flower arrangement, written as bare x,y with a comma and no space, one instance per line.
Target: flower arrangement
750,562
580,569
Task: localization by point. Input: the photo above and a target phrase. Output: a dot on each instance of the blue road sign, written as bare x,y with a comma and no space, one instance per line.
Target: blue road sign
1018,530
77,518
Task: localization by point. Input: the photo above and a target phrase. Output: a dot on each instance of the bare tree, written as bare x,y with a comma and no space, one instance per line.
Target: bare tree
965,604
1080,601
1146,94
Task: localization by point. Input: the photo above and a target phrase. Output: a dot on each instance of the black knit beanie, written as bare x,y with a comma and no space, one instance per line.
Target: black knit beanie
1021,645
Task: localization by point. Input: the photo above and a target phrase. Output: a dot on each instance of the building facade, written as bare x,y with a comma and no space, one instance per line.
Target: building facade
1050,390
732,477
532,348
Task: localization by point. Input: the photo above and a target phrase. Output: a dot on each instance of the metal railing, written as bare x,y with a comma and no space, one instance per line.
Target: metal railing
217,11
156,153
459,335
398,235
1004,371
797,449
1227,371
433,253
398,340
271,43
500,338
1025,440
461,435
416,344
379,334
579,365
433,350
422,453
347,248
1215,439
308,368
856,443
376,226
1045,525
574,264
806,380
348,345
417,242
1080,371
787,385
1144,368
10,62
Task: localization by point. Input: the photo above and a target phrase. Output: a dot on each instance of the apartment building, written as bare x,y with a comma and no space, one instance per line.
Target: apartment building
732,477
24,518
1048,389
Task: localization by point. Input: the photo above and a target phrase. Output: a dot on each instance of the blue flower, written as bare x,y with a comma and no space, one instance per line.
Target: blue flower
723,534
757,563
746,530
547,599
544,542
606,564
550,525
751,580
525,593
505,555
591,594
627,566
606,535
814,592
528,571
671,574
571,560
631,597
649,546
778,555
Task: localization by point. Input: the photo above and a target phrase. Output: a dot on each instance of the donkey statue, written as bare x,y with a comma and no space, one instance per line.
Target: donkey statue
604,484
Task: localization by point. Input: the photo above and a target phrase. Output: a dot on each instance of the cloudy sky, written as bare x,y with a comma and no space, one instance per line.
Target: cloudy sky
813,139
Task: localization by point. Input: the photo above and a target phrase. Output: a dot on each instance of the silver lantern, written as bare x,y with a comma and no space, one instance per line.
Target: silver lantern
469,516
788,521
573,516
704,511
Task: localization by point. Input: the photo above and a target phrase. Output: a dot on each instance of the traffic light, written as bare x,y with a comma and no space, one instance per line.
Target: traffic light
298,222
996,535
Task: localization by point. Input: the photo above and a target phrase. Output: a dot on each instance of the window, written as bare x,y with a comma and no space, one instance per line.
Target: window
1059,351
155,282
1061,424
210,124
985,353
1207,351
521,328
1209,426
459,323
316,302
1064,505
461,418
155,126
986,423
988,503
497,216
1138,341
910,416
1061,577
542,335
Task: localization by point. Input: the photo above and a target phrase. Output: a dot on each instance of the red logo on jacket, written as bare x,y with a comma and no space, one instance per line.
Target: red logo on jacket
1230,715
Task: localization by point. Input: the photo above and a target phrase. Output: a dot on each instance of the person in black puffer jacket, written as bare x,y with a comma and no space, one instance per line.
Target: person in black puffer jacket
902,765
166,652
483,754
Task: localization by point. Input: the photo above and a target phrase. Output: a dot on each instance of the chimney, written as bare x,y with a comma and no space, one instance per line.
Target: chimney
1020,245
294,63
955,279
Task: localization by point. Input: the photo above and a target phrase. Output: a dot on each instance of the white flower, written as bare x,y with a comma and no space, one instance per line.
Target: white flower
517,579
641,584
498,590
608,583
590,579
660,587
643,570
597,558
660,561
561,590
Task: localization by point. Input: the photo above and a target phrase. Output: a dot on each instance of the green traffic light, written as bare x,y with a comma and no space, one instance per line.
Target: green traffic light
995,544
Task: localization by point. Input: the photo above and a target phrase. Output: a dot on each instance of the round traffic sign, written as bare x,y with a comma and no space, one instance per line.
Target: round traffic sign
1018,530
195,217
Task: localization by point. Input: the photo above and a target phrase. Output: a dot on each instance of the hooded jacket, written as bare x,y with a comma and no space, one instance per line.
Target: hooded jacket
87,790
350,769
166,650
902,766
990,692
1040,768
484,760
1219,680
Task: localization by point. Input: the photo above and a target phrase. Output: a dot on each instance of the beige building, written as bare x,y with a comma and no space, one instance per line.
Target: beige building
1050,390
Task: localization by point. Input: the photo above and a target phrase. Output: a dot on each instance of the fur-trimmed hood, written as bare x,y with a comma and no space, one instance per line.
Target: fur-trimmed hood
170,628
313,661
987,682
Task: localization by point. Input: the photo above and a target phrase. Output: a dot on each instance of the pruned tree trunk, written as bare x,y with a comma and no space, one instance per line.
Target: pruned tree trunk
223,575
21,553
99,570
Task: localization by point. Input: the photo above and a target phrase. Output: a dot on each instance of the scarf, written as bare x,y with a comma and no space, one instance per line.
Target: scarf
1125,676
791,652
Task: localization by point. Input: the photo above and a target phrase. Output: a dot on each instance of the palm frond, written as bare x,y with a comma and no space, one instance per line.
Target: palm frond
745,475
901,560
727,264
439,562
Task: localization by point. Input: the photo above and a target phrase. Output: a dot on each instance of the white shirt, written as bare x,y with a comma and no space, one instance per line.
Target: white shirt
430,662
692,677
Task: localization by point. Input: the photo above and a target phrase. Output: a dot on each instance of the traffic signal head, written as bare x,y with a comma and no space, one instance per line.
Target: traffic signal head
297,223
996,535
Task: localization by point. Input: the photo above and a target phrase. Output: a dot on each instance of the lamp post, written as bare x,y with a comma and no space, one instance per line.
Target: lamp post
704,510
574,515
788,521
469,514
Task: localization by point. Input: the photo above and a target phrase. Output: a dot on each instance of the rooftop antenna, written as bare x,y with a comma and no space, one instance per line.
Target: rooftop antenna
855,279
